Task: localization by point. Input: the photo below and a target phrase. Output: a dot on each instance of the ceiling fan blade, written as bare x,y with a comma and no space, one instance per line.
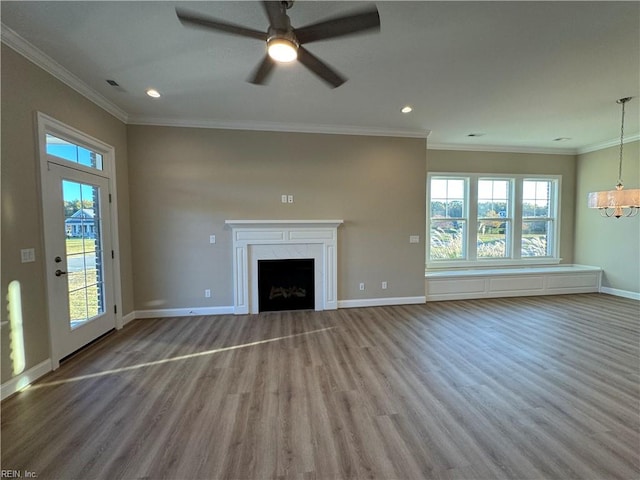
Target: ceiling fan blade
191,19
276,15
262,72
320,68
367,19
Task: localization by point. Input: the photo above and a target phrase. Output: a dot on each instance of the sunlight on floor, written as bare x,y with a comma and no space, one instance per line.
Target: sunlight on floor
174,359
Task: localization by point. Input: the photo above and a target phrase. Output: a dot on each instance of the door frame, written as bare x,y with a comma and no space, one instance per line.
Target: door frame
47,124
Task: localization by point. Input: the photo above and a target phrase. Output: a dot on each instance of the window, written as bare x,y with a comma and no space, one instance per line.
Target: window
73,153
494,219
480,219
448,218
537,218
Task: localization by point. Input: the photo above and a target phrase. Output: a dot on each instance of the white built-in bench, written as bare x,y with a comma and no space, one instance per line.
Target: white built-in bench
459,284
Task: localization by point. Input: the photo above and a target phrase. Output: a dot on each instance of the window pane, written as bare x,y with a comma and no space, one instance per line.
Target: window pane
447,198
74,153
492,239
447,240
536,198
493,198
535,237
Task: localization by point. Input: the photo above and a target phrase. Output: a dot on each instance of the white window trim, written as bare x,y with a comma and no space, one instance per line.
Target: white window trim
515,259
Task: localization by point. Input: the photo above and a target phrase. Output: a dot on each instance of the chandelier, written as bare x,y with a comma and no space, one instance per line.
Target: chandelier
618,202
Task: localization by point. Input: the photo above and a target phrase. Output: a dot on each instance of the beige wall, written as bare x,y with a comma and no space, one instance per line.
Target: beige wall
610,243
27,89
518,163
185,182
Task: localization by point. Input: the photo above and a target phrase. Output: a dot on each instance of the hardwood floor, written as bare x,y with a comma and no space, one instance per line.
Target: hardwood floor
526,388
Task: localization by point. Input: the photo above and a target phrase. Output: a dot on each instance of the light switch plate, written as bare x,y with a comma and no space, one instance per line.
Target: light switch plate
414,238
28,255
212,239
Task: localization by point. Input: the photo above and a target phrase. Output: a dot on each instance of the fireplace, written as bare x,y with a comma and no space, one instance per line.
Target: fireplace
258,240
286,284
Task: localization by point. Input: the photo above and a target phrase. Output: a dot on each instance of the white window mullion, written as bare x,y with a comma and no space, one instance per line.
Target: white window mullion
516,202
472,224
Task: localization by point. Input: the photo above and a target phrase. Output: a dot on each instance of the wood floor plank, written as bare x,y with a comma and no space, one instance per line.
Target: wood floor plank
514,388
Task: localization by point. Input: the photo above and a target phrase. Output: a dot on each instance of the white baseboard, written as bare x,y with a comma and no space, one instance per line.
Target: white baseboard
620,293
380,302
182,312
24,379
129,317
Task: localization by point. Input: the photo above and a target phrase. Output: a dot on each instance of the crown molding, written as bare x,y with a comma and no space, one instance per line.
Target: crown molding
501,149
14,41
276,127
609,143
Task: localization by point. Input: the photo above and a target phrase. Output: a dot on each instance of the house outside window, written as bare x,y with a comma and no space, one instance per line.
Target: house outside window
480,220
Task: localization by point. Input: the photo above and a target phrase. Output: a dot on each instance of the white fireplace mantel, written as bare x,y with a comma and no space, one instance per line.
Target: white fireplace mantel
255,240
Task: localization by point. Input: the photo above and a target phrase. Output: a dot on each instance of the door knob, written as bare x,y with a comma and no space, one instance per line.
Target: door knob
60,272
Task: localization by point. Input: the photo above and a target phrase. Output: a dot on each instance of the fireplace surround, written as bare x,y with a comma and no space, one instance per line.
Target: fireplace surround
255,240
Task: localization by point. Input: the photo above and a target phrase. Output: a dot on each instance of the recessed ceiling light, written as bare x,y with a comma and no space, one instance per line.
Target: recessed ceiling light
406,109
153,93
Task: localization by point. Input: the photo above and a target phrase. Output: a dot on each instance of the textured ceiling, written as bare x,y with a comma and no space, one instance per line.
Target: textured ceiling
519,73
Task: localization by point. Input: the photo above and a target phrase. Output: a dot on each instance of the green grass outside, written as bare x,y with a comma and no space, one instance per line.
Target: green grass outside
83,291
79,245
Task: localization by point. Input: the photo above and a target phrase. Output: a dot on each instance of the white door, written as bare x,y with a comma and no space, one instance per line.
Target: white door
78,257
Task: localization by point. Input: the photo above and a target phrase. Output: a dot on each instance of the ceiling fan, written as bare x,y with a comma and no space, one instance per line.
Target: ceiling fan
285,43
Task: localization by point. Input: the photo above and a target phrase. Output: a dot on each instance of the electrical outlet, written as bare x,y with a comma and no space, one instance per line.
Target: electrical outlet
207,293
283,198
362,286
212,239
414,238
384,285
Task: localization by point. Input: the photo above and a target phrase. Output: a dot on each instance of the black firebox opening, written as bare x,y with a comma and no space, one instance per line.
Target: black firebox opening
286,285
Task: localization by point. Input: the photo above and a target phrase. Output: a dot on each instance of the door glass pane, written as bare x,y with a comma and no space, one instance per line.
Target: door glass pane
83,251
73,153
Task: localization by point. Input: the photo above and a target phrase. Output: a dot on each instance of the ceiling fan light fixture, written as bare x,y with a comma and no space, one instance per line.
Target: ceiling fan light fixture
282,50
